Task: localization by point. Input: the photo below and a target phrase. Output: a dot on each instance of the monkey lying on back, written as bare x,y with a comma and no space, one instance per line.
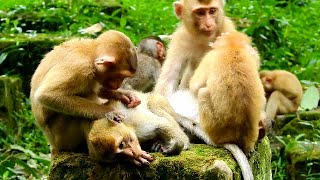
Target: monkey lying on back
283,91
154,119
150,54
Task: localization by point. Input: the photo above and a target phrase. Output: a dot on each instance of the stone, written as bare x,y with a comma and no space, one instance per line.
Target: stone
200,162
303,159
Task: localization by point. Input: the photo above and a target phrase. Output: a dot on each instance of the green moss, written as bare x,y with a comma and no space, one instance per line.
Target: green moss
310,115
297,126
195,163
303,158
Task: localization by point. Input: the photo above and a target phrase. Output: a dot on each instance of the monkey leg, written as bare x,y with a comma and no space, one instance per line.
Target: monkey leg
65,135
278,103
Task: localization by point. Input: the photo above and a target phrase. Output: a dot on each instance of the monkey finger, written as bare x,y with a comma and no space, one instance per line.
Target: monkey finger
125,99
156,147
143,161
136,162
134,101
147,156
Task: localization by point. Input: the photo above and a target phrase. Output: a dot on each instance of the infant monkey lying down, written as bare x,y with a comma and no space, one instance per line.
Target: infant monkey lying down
153,120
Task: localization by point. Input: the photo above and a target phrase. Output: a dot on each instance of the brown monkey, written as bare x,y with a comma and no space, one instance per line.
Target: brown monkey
283,91
201,22
150,54
230,94
107,139
72,77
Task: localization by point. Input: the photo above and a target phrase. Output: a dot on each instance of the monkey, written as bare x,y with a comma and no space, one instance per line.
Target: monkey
109,140
283,92
201,22
230,95
154,47
69,81
154,119
150,54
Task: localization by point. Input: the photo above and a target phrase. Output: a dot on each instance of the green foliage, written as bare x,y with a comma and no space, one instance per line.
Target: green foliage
23,149
285,32
310,99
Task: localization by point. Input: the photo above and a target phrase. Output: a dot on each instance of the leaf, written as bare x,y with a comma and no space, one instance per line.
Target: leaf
5,175
281,140
123,21
3,57
310,99
306,124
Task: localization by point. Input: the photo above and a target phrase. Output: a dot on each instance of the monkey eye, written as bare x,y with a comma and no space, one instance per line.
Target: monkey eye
200,12
212,11
122,145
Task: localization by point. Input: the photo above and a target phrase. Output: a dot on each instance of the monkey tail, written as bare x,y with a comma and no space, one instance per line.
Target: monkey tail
241,159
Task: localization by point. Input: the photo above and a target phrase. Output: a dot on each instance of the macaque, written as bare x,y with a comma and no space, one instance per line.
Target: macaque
70,80
201,22
154,47
154,119
109,140
150,54
283,91
230,94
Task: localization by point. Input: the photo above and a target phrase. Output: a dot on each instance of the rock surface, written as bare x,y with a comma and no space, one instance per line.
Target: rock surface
196,163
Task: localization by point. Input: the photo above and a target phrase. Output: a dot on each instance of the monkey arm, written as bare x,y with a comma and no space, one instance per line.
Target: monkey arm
288,86
69,94
126,97
170,71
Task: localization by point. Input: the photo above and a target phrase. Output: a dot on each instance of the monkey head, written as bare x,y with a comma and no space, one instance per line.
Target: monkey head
200,17
116,59
113,142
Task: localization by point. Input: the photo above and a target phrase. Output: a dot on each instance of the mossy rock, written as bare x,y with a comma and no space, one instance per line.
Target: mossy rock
303,159
195,163
10,89
281,121
308,124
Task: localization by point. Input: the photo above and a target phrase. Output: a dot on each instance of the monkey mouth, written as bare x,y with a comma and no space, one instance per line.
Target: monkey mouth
207,32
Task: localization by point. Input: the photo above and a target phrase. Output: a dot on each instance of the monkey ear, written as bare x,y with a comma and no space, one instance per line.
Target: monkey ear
268,80
178,8
105,60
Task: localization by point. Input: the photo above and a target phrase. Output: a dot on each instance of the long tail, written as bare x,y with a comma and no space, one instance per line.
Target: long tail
241,159
186,106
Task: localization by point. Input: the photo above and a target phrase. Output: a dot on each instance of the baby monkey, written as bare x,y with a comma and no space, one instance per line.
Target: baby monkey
151,54
109,140
230,94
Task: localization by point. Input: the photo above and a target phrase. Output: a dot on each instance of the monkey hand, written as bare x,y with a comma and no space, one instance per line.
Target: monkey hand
172,148
115,116
143,159
130,100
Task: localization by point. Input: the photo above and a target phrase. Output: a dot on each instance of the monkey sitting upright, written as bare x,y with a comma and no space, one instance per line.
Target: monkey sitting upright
230,94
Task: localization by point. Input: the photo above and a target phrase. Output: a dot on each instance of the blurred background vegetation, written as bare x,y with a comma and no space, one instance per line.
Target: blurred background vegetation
285,32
